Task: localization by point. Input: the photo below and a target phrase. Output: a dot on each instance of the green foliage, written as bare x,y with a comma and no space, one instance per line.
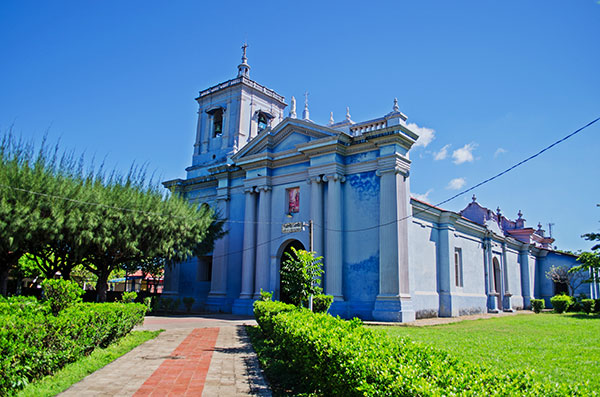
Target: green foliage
335,357
596,305
61,294
63,217
538,305
561,303
72,373
322,303
188,302
148,302
167,304
588,305
300,276
35,343
128,297
266,295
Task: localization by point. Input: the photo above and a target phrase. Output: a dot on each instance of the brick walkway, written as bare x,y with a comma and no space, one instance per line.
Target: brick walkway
208,355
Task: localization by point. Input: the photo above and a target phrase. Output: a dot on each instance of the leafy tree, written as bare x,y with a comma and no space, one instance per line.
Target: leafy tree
300,276
564,275
590,261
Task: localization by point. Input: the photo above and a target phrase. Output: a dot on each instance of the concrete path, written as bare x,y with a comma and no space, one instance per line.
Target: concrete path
195,355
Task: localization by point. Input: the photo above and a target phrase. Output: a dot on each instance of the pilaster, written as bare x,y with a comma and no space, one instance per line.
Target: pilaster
525,276
263,236
216,300
249,245
506,294
445,268
393,302
316,212
334,248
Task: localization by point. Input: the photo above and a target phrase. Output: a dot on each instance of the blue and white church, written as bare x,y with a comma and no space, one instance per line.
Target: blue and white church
387,256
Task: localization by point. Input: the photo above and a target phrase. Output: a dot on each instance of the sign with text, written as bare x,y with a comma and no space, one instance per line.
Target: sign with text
291,227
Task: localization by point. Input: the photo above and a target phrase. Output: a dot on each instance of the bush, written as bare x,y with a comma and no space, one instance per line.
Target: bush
61,294
35,343
188,302
265,296
128,297
561,303
538,305
329,356
148,303
322,303
596,305
588,305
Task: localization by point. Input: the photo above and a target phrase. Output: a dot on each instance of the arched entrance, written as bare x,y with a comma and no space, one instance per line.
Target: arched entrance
497,281
287,248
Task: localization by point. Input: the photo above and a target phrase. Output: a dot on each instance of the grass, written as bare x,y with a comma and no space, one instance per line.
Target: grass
559,348
73,373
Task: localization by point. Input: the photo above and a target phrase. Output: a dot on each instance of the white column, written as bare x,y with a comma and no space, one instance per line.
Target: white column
316,213
445,268
263,246
333,249
218,284
225,129
249,247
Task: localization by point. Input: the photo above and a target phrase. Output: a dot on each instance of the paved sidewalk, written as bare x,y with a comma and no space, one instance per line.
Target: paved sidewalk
195,355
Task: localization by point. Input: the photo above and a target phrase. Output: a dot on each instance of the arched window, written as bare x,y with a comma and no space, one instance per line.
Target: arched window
217,122
263,121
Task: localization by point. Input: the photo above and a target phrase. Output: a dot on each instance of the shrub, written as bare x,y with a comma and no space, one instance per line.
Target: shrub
588,305
61,294
188,302
538,305
148,302
128,297
330,356
322,303
265,296
596,305
35,343
300,276
560,303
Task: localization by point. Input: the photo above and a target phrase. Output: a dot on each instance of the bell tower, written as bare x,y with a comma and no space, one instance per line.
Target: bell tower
230,114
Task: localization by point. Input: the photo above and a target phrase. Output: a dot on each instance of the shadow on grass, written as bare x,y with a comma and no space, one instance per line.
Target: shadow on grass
583,316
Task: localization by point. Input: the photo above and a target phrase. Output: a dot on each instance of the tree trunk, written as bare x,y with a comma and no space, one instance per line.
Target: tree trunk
4,281
102,286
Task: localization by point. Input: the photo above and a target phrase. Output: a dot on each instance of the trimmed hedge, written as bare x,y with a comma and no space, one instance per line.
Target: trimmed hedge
34,343
538,305
334,357
588,305
322,303
561,303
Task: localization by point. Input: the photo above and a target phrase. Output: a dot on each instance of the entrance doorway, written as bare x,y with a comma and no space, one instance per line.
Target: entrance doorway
497,280
297,245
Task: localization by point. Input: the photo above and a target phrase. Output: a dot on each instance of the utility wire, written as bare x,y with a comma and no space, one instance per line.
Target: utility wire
324,228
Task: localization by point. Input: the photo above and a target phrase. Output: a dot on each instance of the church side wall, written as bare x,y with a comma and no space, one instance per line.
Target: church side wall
235,232
422,242
471,297
513,269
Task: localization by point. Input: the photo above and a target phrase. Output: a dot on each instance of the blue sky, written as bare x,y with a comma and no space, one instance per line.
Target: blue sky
489,82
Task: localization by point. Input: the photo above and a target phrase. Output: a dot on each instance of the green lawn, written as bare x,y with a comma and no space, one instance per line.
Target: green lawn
557,347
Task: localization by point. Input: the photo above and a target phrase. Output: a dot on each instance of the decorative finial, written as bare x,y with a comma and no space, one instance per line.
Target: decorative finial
244,68
293,108
348,113
396,108
539,226
331,122
520,214
305,113
498,211
474,198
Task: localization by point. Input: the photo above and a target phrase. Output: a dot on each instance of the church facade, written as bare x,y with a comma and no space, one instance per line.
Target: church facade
342,190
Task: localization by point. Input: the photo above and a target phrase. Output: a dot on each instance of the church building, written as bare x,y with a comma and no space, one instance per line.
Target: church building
342,190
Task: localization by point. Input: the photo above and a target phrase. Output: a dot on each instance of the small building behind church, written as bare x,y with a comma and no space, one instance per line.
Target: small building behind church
389,257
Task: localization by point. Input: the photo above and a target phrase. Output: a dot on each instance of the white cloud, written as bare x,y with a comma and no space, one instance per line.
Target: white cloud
442,154
423,197
426,135
499,151
456,183
464,154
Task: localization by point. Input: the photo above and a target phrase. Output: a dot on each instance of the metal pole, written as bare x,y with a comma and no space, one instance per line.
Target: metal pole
310,239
